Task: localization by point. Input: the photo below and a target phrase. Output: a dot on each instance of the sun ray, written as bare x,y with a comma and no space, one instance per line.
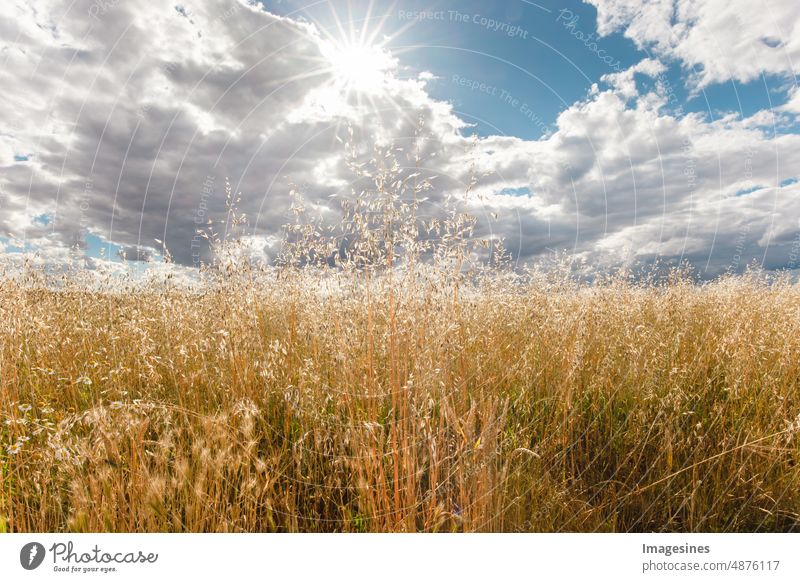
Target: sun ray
359,67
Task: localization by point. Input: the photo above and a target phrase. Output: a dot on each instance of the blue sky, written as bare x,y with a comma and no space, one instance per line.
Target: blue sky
616,131
511,67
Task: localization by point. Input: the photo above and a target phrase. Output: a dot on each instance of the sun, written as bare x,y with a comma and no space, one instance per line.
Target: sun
359,67
358,70
355,56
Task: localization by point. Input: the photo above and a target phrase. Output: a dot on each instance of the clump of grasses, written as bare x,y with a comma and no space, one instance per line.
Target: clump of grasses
377,380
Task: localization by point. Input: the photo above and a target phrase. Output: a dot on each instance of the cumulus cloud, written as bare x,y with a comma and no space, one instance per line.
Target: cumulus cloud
136,112
131,115
719,40
616,182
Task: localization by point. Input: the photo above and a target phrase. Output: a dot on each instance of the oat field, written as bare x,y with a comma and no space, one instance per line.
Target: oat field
392,374
288,402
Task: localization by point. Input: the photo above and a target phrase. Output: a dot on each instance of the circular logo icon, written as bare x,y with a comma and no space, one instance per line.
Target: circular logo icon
31,555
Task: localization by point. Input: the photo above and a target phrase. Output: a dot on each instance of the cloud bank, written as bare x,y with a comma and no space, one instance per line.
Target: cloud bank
122,121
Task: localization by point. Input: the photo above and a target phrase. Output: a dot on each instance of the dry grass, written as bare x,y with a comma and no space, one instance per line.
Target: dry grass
401,406
382,378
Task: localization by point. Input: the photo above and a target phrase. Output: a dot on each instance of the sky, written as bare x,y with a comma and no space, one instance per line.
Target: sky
617,131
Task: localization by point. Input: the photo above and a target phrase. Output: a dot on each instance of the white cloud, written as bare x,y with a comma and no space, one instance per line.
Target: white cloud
624,81
719,40
616,181
130,107
793,104
135,117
